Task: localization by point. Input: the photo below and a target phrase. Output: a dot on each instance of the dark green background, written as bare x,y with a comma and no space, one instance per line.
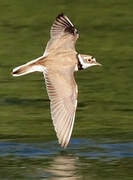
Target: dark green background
105,102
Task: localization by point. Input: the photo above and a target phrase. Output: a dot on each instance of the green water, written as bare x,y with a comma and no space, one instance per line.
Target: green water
101,146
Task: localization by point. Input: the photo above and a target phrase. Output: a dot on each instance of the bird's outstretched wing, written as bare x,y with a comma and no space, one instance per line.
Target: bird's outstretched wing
63,35
62,92
62,26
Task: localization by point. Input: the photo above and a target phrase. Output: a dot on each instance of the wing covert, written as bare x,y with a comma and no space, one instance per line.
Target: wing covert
63,35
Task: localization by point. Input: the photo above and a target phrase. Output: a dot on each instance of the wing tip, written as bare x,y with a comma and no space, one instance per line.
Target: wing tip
64,144
69,26
62,24
60,15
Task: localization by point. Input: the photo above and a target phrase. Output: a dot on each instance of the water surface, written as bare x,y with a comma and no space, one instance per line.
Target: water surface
102,142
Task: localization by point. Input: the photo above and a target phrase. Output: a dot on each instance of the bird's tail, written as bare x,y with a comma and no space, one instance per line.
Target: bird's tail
29,67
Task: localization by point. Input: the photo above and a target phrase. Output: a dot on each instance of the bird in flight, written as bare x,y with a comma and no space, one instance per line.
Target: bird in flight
58,64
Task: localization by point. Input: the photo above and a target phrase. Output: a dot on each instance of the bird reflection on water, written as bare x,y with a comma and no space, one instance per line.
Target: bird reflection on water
63,167
83,158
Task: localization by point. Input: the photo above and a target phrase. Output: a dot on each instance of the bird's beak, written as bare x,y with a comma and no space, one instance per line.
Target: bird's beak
98,64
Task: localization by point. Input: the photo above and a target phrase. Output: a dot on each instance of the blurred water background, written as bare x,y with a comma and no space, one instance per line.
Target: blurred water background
101,146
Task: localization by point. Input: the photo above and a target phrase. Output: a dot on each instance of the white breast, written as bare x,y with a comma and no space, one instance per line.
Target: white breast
84,65
76,68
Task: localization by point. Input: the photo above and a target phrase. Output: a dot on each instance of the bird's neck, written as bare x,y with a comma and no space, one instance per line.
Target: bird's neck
80,64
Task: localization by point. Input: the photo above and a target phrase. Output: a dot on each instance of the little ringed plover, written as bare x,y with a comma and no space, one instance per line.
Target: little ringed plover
58,64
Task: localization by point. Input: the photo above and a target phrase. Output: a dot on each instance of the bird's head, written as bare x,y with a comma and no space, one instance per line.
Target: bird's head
85,61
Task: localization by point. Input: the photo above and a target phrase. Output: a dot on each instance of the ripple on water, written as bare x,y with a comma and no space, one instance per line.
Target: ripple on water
80,147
